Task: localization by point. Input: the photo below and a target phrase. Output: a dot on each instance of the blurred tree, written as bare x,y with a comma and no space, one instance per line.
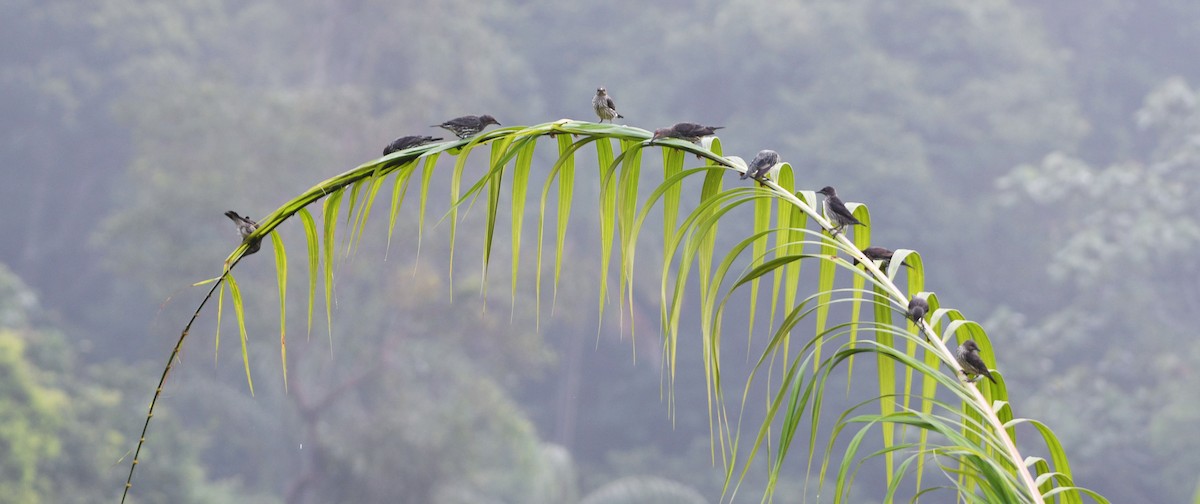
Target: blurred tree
1123,342
28,412
64,421
61,150
633,490
410,404
1117,51
892,102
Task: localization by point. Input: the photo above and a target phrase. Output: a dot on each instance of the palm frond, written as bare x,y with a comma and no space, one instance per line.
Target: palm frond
970,440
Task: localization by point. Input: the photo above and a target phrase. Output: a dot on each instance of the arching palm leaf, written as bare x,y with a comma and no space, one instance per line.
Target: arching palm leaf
966,432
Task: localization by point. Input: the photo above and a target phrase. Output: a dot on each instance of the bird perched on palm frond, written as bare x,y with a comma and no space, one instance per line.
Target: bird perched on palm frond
761,165
879,254
604,105
408,142
691,132
917,308
972,364
246,227
836,211
467,126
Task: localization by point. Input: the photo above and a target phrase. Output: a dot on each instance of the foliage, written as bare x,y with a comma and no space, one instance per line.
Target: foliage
130,125
28,416
980,441
64,421
631,490
1149,230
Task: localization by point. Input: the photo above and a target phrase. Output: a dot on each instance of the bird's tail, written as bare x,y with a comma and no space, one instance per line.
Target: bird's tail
619,116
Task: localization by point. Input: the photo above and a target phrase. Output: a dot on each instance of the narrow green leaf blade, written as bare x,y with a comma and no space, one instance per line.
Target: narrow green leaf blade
239,310
314,252
281,273
520,189
566,188
426,178
455,190
608,210
331,210
399,189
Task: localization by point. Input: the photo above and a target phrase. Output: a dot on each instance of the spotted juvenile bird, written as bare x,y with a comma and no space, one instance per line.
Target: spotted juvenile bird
467,126
972,364
406,142
761,165
604,105
245,228
836,211
691,132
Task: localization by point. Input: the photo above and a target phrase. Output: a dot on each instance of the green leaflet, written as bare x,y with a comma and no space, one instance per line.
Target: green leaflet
886,369
220,310
499,160
827,271
791,220
627,203
564,170
862,240
672,166
520,188
240,312
762,223
455,188
364,211
331,211
281,270
426,177
608,209
399,189
310,233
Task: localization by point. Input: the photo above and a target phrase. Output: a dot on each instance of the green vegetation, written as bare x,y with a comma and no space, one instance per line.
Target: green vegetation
1036,154
979,438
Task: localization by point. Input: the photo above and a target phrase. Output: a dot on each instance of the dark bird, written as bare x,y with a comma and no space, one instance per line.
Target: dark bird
467,126
604,105
836,211
246,227
917,308
691,132
879,254
761,165
406,142
972,364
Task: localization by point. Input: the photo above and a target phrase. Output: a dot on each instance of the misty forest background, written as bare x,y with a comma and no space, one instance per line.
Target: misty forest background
1040,155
